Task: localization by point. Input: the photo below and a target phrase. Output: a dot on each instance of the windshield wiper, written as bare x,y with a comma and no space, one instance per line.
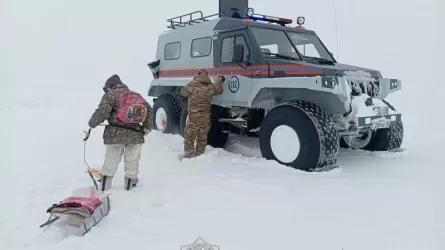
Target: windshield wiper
281,56
319,59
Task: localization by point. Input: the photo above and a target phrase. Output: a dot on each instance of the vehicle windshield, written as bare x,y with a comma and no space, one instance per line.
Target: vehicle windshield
309,45
275,43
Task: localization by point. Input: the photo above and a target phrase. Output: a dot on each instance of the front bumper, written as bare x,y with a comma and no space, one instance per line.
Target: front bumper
345,85
363,100
368,112
377,122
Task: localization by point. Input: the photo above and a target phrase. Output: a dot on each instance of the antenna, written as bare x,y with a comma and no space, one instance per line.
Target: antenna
336,29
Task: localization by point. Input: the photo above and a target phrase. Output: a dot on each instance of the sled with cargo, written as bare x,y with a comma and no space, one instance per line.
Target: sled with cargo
282,85
85,208
82,211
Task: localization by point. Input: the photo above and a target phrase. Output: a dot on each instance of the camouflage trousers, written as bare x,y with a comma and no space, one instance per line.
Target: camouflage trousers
197,127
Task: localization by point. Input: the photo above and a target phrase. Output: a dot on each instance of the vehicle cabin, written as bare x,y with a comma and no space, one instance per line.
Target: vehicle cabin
247,48
211,44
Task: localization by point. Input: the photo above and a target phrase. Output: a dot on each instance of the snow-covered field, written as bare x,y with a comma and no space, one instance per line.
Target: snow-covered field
232,198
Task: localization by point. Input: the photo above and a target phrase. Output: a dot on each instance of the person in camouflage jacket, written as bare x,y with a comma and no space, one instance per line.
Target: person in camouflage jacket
119,138
199,92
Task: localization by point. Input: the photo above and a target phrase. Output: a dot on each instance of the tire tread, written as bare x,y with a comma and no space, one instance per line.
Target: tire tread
327,133
170,99
387,139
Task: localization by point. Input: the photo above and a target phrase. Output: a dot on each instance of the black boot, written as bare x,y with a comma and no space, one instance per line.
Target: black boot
106,182
130,183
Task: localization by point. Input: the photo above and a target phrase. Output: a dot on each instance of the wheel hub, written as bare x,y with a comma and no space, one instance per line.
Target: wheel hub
285,143
161,119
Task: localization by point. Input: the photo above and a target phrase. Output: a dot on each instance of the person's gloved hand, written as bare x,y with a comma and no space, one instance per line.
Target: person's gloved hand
223,78
87,133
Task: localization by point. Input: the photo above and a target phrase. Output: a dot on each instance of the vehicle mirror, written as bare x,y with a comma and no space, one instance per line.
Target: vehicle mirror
238,53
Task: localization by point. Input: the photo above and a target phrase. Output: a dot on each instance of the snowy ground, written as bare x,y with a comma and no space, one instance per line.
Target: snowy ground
56,55
231,198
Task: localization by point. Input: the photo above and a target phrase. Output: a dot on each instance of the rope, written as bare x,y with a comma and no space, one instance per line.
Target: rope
85,145
85,159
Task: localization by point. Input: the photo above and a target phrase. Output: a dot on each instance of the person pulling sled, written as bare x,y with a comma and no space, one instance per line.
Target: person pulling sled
129,119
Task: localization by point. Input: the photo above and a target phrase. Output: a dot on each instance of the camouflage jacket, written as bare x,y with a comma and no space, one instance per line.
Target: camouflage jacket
107,110
200,92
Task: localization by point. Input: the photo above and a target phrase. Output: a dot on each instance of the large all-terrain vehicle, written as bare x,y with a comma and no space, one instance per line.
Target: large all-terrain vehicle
282,85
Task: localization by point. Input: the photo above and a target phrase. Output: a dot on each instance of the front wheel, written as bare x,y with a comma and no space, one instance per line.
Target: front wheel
387,139
301,135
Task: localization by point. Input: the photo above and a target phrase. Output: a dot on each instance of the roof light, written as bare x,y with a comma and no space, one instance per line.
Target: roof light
300,20
249,12
280,20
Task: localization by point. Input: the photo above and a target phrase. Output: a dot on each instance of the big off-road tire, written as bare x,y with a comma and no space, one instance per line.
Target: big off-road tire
387,139
166,113
178,103
215,138
301,135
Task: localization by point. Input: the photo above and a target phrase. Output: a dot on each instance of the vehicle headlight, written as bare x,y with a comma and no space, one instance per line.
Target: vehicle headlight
300,20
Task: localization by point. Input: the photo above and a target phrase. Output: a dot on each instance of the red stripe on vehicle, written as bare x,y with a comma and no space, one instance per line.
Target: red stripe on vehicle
238,68
190,75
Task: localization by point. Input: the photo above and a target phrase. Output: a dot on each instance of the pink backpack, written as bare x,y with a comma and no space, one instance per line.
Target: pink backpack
131,108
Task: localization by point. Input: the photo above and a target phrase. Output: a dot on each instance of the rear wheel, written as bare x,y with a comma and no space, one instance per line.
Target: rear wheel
301,135
215,138
165,114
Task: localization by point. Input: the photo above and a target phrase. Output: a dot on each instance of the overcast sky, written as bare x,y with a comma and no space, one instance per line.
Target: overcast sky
84,41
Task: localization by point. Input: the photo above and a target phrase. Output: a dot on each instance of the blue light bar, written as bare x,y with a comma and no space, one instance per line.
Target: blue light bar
258,17
280,20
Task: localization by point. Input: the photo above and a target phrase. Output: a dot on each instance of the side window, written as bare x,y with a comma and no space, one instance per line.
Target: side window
228,45
172,51
227,49
201,47
240,40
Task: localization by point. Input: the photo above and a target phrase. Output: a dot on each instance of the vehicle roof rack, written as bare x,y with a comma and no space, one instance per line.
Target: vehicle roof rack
187,19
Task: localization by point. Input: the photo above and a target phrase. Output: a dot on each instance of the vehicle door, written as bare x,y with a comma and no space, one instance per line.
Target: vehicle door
232,58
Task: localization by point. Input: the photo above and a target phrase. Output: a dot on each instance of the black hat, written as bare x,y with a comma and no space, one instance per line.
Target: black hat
112,81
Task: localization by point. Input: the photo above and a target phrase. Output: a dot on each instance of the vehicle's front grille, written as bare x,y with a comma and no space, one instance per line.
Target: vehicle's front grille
359,86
